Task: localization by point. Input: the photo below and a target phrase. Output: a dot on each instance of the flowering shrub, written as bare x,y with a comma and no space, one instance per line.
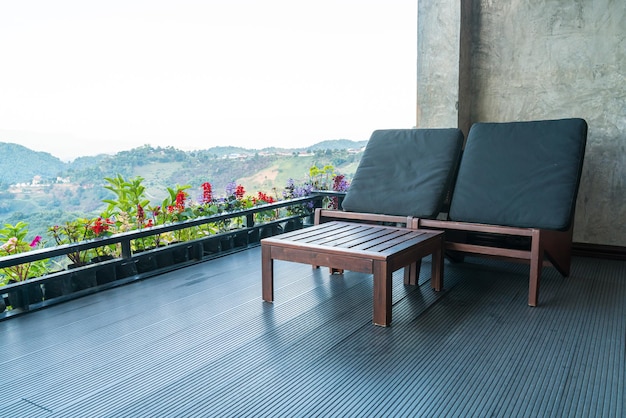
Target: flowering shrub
102,227
267,215
70,233
326,179
177,209
130,210
339,185
13,237
291,191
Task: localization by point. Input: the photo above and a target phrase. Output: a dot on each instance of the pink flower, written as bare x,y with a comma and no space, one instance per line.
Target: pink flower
9,245
35,241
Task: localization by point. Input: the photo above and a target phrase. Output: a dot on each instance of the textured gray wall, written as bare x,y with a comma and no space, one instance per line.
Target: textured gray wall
437,73
549,59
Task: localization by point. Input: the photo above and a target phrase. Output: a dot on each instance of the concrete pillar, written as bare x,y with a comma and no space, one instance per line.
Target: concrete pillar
443,64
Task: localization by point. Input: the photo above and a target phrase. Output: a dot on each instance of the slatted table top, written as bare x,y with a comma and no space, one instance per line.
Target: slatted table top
372,241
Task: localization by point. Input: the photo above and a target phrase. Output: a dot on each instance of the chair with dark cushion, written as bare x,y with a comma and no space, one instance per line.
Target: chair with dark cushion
518,179
405,172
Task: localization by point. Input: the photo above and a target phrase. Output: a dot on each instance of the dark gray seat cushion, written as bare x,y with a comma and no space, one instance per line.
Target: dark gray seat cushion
521,174
405,172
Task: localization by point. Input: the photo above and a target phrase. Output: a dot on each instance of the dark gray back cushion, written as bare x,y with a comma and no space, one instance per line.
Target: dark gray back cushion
522,174
405,172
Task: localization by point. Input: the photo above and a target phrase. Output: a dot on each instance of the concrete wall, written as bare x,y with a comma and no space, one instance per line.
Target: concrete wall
549,59
437,73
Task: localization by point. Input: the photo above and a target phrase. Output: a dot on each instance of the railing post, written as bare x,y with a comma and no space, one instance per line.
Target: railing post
250,220
126,253
197,251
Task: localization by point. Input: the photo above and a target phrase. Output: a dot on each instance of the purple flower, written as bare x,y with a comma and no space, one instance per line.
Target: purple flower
231,188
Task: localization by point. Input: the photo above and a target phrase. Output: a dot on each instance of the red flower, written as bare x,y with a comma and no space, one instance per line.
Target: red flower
265,198
207,192
181,196
149,224
100,226
239,192
141,215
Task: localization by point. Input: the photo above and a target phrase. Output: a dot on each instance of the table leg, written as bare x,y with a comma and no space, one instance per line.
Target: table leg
267,273
436,279
382,293
412,273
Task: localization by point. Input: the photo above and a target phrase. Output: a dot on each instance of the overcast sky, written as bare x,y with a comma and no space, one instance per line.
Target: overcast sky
84,77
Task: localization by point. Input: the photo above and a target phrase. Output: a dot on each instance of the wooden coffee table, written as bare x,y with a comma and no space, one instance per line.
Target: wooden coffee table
374,249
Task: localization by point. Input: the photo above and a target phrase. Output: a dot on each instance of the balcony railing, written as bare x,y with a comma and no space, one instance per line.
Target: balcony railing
55,287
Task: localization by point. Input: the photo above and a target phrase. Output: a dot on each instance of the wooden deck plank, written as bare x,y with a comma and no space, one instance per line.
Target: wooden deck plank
200,341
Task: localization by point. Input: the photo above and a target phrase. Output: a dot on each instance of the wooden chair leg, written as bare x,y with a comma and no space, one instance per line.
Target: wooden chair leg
536,265
558,248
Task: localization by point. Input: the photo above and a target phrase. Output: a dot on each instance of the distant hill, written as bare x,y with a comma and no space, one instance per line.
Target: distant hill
338,144
20,164
333,144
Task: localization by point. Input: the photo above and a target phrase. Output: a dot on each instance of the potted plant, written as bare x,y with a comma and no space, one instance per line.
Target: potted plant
100,227
14,241
72,232
291,191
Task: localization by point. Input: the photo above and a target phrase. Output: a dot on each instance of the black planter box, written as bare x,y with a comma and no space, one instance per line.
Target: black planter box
24,296
83,279
146,263
59,286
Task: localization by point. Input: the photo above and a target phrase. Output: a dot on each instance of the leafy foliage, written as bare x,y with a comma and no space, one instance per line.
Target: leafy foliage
56,202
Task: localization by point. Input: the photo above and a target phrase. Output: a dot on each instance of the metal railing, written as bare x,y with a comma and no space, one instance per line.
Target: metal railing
37,292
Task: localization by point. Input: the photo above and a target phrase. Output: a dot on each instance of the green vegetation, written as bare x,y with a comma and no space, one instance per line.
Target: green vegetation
45,191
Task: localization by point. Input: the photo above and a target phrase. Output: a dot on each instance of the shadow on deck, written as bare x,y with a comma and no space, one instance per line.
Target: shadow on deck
199,341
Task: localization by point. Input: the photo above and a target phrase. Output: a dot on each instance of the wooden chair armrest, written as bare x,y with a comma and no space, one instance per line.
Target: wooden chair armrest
324,215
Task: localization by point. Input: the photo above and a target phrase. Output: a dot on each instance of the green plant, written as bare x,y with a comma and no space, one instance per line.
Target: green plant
326,179
320,178
175,208
129,195
13,238
72,232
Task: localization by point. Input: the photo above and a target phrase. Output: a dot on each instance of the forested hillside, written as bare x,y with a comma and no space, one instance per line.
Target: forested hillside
43,191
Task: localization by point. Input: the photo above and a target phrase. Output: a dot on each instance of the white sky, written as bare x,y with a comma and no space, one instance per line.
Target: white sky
85,77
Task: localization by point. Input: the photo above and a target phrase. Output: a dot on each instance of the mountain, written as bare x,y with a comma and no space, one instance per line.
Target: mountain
333,144
20,164
338,144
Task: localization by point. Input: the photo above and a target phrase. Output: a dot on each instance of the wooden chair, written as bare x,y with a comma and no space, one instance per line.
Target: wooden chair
515,194
403,174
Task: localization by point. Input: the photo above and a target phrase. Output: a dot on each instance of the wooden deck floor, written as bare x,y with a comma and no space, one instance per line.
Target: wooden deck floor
200,342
